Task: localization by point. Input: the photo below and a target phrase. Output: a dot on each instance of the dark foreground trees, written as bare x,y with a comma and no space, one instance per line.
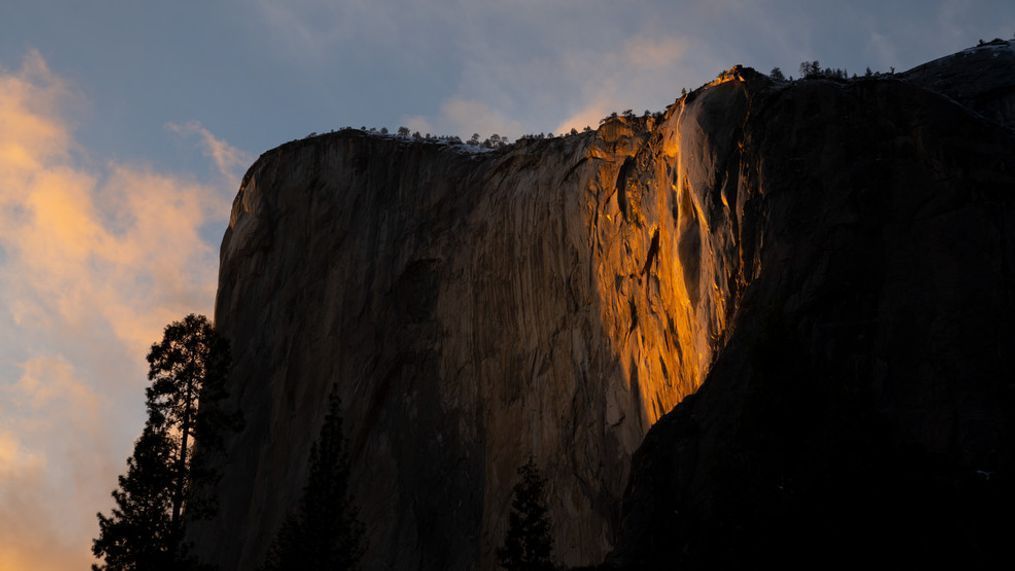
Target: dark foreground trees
144,532
528,544
323,532
138,534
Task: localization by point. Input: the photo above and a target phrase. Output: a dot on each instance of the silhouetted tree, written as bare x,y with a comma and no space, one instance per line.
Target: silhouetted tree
323,532
528,544
403,131
494,142
138,534
776,74
188,369
810,69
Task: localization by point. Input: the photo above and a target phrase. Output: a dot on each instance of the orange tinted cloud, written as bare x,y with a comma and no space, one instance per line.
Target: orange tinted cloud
54,453
650,62
227,158
93,263
28,539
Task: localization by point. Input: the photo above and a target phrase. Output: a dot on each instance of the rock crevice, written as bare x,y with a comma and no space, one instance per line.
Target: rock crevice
558,297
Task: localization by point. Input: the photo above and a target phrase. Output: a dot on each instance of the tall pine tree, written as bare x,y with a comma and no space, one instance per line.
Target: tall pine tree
323,532
188,370
528,544
137,535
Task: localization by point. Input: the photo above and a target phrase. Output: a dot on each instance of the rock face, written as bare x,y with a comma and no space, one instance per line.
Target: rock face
863,409
832,260
473,309
979,78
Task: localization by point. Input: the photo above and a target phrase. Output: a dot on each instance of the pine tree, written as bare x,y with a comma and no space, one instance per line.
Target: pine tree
528,544
188,370
810,69
138,535
777,74
323,532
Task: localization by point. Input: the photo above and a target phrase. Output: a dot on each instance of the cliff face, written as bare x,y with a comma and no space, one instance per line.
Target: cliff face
978,78
558,297
863,409
553,299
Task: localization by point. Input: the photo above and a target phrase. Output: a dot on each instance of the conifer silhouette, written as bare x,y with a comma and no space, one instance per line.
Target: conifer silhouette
144,532
188,368
528,544
323,532
137,534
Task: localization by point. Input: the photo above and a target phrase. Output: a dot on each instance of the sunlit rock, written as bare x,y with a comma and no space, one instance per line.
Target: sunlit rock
558,297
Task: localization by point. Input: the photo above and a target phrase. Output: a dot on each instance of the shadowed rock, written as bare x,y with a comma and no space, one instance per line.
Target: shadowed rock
833,257
862,409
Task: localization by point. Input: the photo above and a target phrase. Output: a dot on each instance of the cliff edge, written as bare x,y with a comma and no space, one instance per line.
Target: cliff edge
828,261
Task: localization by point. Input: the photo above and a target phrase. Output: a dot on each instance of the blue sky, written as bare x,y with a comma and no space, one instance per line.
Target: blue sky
125,126
258,73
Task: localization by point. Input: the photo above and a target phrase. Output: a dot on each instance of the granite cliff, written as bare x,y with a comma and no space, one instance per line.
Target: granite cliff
818,272
863,411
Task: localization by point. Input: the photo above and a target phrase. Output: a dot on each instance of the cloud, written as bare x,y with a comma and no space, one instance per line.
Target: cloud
495,91
653,52
227,158
26,111
50,381
310,30
418,123
648,62
94,261
589,115
14,459
55,457
28,539
464,117
506,67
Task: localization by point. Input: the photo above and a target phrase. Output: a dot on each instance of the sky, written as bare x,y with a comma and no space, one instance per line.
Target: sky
125,126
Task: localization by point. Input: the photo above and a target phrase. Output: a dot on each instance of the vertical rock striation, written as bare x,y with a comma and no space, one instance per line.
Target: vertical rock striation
558,297
551,299
863,408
